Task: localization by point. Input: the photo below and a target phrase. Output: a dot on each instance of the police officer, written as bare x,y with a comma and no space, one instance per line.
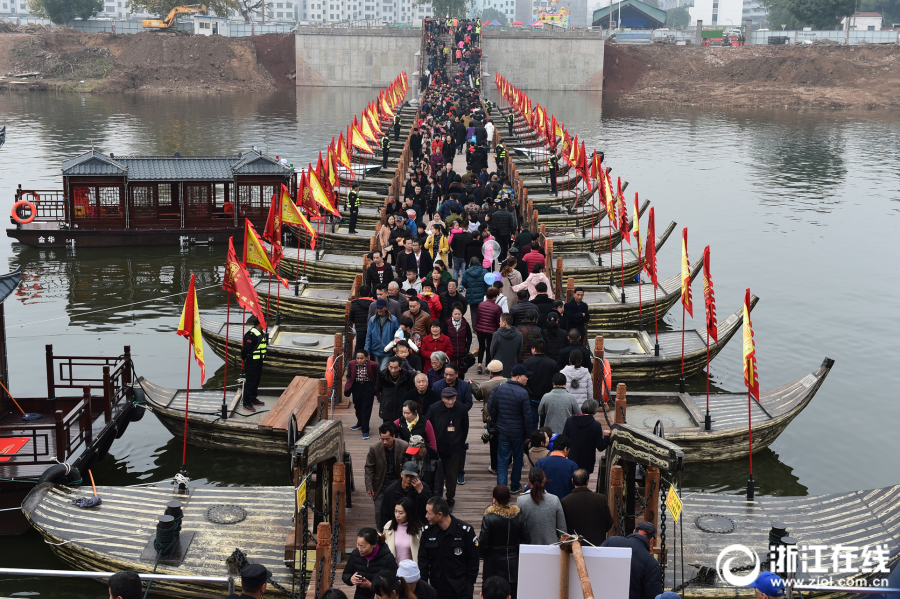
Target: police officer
397,123
253,581
500,154
488,105
552,165
253,353
448,552
353,205
510,118
385,147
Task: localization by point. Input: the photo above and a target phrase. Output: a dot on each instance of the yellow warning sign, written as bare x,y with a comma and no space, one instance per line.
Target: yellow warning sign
301,496
674,504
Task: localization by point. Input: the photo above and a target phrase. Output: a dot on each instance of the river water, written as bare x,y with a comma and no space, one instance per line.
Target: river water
799,206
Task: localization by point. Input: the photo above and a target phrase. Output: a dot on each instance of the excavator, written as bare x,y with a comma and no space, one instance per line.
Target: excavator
169,21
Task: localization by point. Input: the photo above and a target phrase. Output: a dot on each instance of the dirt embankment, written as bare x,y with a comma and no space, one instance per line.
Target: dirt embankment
754,76
63,59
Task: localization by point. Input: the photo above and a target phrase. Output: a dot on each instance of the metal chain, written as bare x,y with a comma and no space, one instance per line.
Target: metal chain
319,569
335,537
620,516
305,538
662,535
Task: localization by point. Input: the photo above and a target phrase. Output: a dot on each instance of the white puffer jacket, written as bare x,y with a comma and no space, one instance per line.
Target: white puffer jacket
579,383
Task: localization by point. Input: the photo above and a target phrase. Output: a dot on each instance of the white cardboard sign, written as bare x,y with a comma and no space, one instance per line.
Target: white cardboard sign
609,569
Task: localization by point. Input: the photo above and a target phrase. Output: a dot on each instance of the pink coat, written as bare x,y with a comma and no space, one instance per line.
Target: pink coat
529,283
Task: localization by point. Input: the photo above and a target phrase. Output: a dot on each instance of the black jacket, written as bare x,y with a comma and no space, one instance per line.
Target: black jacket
585,435
645,580
368,569
359,315
502,531
448,559
587,513
520,310
575,314
502,222
554,342
392,393
571,346
447,304
372,279
459,243
540,382
395,492
441,418
430,468
425,400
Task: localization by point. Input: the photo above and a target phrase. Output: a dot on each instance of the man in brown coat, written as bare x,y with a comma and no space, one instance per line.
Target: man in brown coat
384,463
421,320
587,512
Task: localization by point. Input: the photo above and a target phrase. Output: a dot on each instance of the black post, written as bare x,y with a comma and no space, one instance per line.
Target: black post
750,488
681,384
708,423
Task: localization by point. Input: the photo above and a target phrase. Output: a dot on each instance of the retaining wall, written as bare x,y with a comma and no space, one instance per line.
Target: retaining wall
356,57
546,60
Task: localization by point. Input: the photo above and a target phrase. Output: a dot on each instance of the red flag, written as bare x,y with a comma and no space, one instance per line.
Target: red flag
624,231
582,163
323,179
237,281
305,195
272,232
751,375
650,256
709,298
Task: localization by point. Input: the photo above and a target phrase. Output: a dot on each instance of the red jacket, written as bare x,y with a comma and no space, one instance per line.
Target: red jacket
431,345
434,305
534,257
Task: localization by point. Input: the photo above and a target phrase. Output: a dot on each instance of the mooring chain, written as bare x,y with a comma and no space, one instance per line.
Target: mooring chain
306,535
335,537
662,535
319,571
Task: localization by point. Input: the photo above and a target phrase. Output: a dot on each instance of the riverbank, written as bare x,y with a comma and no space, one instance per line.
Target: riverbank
829,77
66,60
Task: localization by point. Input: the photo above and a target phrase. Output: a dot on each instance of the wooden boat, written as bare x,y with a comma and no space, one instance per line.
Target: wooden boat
683,416
605,301
309,303
262,523
632,357
321,266
87,407
271,430
292,349
335,237
113,201
593,237
590,268
542,197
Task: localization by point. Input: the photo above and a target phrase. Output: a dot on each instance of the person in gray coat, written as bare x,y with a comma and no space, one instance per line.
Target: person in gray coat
544,516
557,405
506,344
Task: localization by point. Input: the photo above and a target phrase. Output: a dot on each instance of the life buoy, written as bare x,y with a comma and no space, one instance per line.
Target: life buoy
607,380
21,204
59,474
329,372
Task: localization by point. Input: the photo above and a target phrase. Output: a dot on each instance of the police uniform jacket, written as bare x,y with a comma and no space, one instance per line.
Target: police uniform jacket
448,559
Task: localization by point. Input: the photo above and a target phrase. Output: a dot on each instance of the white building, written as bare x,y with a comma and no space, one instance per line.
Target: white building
390,11
507,7
863,21
754,11
717,13
670,4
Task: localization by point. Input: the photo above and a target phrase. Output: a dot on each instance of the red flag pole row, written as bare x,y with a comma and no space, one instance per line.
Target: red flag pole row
225,384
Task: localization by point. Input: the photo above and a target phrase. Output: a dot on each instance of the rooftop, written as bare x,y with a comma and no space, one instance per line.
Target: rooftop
173,168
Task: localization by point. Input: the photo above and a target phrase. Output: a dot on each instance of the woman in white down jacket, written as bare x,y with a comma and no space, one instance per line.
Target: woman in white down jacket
578,379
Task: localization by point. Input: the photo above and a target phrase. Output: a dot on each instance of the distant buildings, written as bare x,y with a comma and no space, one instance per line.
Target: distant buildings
718,13
863,21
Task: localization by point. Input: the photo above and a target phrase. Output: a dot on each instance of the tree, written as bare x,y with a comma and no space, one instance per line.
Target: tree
448,8
817,13
678,18
63,11
162,7
492,14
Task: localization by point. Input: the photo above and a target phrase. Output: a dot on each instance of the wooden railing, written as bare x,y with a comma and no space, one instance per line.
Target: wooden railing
49,203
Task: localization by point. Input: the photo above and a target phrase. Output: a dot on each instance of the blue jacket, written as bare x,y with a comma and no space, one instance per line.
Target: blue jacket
559,471
510,408
473,283
377,336
463,390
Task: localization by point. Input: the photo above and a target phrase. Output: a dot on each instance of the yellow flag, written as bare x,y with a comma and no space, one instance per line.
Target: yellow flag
342,155
369,115
254,252
189,326
385,106
318,192
367,129
686,275
358,141
291,215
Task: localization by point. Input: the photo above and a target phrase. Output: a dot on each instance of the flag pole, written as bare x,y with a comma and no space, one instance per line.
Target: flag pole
187,399
225,385
750,437
655,319
681,380
621,254
708,423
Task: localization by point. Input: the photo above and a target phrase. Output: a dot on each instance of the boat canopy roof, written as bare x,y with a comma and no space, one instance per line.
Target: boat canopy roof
174,168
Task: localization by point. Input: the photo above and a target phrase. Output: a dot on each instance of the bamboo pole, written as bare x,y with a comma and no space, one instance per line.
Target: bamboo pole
581,567
564,572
